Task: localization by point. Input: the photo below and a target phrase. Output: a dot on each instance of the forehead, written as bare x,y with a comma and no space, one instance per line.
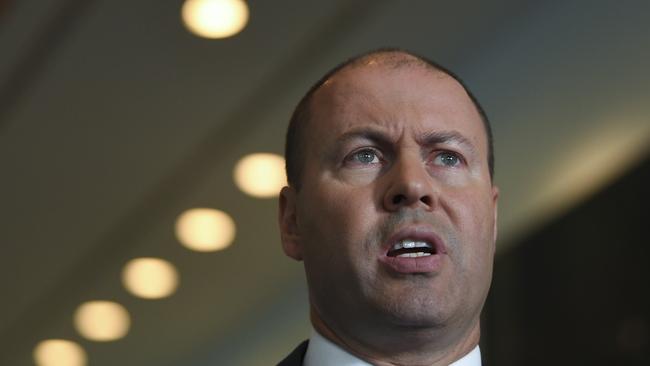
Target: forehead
411,98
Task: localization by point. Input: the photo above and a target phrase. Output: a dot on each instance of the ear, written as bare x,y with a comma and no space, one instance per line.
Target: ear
288,224
495,203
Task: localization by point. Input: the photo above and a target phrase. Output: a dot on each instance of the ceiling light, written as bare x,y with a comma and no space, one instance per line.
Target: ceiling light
150,278
102,320
59,352
260,175
215,18
205,229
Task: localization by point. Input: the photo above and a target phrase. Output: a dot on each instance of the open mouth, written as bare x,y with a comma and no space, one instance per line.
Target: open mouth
414,249
409,248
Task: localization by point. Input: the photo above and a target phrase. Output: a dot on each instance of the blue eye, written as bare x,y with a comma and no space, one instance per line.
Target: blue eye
447,159
366,156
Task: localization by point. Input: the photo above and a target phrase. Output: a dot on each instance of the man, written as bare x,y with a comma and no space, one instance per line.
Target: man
391,207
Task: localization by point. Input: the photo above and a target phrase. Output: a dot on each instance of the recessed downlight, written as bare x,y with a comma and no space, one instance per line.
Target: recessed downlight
102,321
205,229
260,175
215,18
150,278
59,352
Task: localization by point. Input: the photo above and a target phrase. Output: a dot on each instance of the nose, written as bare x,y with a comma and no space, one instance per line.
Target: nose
410,185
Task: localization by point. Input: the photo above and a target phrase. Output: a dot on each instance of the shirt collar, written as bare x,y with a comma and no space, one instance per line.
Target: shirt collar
322,352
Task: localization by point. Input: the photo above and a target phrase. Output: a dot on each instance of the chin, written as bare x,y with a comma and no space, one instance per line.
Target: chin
417,313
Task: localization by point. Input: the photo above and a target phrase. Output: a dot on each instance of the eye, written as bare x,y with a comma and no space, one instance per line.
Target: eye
448,158
364,157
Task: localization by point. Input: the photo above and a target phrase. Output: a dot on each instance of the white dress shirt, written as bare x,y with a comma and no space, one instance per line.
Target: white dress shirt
322,352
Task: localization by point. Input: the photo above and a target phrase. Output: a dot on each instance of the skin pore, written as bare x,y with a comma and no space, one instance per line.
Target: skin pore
392,153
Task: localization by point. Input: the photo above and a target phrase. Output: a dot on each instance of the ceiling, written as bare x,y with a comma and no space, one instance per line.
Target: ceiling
114,119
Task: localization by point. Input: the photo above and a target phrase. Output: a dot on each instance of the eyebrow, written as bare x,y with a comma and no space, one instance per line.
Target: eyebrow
435,138
429,139
364,133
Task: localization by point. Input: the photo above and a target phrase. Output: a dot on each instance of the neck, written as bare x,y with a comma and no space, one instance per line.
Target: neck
403,345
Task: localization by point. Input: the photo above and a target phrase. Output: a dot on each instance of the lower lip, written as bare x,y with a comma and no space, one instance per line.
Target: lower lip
427,264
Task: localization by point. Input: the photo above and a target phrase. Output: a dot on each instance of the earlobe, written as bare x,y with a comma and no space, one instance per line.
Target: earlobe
288,224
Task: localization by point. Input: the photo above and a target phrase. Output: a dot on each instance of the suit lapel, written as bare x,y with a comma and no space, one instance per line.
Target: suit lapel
296,357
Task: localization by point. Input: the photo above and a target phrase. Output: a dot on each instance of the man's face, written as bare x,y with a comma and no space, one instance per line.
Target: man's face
395,218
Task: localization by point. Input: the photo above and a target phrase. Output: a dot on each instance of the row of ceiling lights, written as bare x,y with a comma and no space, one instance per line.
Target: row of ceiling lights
259,175
200,229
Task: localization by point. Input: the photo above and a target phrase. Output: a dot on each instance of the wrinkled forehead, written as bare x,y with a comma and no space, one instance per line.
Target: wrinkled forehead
393,97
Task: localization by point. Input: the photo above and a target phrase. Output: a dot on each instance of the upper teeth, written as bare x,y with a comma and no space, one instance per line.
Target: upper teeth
414,255
407,243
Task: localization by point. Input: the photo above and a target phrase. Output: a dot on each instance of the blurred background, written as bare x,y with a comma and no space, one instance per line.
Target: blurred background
140,150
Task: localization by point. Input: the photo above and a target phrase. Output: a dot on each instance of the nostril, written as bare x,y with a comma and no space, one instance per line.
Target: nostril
426,200
399,198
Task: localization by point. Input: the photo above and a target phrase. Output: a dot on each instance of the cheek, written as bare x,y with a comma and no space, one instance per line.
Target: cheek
335,221
335,239
473,218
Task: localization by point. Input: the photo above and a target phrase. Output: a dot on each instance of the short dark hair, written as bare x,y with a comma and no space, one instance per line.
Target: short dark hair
301,114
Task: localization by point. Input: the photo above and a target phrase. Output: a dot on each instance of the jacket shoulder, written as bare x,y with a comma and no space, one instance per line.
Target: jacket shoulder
296,357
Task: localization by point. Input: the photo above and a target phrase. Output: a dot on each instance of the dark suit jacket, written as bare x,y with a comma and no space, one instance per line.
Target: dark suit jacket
296,357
